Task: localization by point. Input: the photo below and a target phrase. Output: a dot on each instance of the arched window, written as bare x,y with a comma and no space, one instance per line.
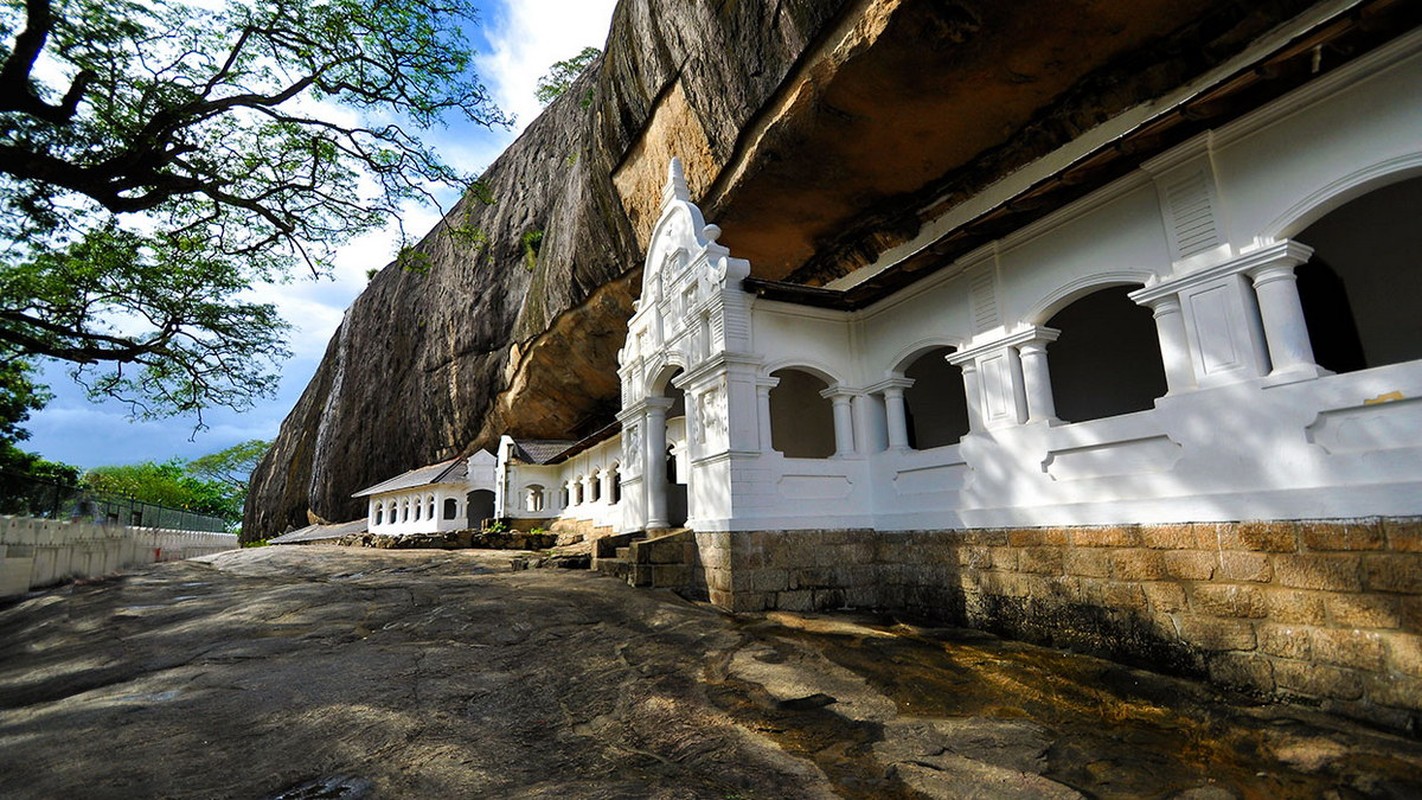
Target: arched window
563,497
578,491
595,486
936,405
1107,360
429,507
801,421
451,508
1362,290
379,513
616,491
533,498
418,506
405,511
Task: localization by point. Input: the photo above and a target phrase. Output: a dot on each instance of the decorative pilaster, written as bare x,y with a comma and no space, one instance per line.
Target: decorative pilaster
972,390
1280,310
1036,377
843,420
1174,348
762,396
654,477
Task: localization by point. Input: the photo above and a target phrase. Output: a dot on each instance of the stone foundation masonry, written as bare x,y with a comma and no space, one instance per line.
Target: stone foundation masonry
1325,612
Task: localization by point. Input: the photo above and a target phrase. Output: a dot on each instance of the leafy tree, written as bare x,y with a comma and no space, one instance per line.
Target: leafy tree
231,468
166,483
561,75
157,157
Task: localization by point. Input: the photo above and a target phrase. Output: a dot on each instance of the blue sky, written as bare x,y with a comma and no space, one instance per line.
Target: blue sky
516,41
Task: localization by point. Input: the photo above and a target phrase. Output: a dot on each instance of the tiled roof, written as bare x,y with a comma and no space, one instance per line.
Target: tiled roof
452,471
320,533
540,451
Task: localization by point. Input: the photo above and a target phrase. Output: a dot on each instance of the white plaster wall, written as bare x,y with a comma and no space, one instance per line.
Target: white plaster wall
425,523
41,552
1248,446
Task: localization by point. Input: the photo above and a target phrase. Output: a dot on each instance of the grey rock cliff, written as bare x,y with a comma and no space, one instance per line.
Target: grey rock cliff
431,363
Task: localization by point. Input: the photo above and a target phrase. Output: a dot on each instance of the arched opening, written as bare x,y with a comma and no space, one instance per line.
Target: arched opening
1107,360
578,491
563,496
615,492
481,507
595,486
1362,290
674,484
533,498
405,511
379,513
418,506
801,421
936,405
430,507
451,508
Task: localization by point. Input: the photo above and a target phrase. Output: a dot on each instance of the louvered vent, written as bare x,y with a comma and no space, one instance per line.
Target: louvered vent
1192,214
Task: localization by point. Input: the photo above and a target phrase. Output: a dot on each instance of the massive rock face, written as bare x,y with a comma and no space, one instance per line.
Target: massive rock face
494,336
817,133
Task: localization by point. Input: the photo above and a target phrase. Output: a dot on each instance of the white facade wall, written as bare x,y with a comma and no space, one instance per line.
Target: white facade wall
551,491
41,552
1250,427
422,509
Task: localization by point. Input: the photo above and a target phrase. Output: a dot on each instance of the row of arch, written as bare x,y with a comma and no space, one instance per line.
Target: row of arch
1361,294
412,509
604,483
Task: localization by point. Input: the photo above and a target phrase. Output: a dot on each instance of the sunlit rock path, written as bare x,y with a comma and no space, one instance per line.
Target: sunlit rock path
300,672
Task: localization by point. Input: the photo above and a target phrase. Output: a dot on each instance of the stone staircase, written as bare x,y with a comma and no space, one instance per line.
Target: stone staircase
660,559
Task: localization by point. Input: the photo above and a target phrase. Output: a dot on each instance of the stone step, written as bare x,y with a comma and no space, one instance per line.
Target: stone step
622,553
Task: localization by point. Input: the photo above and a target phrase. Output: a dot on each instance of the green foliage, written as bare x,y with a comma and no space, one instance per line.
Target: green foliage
412,260
497,526
167,484
560,77
164,329
214,484
532,242
164,156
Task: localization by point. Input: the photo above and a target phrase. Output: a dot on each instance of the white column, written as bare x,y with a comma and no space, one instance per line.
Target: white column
843,421
1037,379
1285,330
972,389
895,416
1174,346
654,470
762,396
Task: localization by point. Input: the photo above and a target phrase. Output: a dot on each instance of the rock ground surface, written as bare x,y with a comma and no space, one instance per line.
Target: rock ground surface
332,672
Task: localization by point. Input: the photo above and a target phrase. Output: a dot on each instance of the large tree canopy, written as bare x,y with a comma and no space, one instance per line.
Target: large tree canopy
156,158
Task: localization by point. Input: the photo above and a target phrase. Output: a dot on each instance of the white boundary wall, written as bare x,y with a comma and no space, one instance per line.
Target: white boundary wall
41,552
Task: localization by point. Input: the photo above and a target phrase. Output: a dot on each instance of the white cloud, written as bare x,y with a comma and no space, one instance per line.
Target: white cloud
527,37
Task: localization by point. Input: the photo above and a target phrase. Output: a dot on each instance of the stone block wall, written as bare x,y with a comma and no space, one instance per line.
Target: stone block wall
1326,612
41,552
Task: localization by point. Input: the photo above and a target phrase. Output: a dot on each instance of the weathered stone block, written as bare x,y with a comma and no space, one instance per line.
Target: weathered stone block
1137,564
671,575
1285,641
1005,558
1393,572
1316,680
1041,560
1404,535
1404,652
975,557
1348,648
1271,537
1336,573
1189,565
802,600
1351,535
1228,600
1213,633
991,537
1241,671
1363,610
1292,605
1087,562
1164,596
1122,536
1235,566
1185,536
769,580
1396,691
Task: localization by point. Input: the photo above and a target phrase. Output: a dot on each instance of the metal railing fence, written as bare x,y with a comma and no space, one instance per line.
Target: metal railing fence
25,495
